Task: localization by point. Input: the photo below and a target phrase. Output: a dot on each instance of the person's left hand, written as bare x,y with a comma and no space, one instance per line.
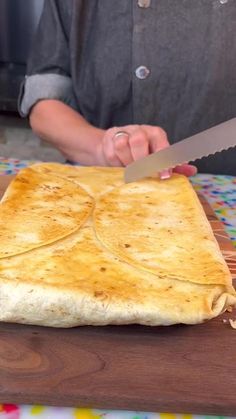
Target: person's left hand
122,145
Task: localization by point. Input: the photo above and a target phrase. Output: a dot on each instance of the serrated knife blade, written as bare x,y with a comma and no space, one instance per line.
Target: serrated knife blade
215,139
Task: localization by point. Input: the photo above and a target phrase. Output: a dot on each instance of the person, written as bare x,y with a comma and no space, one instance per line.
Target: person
110,81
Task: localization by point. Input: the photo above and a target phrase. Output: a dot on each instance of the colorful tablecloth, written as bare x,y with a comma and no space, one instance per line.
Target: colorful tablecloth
220,191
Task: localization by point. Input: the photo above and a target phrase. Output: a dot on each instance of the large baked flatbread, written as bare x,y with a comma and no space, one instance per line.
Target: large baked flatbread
137,253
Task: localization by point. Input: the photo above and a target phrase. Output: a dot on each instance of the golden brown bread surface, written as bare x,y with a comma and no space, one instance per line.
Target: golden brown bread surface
146,254
162,230
38,209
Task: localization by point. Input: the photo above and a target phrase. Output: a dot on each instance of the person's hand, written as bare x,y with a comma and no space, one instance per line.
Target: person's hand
121,146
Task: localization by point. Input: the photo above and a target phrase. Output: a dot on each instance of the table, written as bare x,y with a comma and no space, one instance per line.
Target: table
220,192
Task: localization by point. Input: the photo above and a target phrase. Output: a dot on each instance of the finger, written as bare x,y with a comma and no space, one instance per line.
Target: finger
165,174
186,169
122,148
139,144
109,152
158,138
158,141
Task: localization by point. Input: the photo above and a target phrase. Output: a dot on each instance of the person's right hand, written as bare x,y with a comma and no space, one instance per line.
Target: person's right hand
121,146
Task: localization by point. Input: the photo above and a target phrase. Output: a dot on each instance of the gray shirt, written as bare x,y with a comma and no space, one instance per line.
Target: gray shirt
170,63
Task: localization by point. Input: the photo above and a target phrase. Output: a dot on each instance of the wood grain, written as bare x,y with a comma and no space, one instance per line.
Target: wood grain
176,369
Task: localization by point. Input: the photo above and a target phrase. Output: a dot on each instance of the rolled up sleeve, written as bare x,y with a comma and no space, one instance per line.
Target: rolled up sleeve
48,70
45,86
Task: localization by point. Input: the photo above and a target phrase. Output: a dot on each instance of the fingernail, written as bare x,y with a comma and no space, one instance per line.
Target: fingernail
165,174
194,170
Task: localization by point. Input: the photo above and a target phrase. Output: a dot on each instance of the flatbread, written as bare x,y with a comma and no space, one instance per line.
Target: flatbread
38,209
161,227
94,180
87,278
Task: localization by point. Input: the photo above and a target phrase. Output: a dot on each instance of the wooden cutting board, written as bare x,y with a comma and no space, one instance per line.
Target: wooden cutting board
190,369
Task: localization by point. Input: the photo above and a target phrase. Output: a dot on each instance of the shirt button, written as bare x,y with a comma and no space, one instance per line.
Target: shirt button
144,3
142,72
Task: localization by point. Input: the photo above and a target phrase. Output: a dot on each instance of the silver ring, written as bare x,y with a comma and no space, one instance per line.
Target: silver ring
120,133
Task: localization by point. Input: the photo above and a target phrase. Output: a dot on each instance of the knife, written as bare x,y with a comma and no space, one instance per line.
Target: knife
218,138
